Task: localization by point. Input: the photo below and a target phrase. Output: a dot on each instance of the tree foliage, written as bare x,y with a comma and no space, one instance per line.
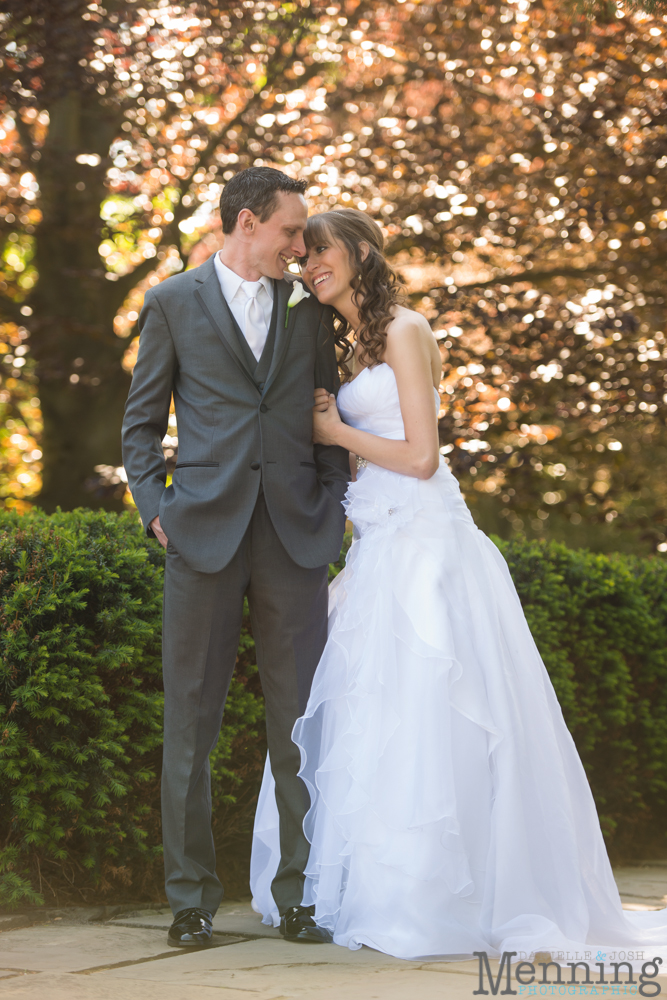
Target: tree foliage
514,154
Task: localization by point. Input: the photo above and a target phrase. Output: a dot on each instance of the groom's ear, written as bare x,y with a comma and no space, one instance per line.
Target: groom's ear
246,222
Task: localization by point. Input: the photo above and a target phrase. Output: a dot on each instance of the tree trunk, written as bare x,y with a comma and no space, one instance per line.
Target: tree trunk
78,356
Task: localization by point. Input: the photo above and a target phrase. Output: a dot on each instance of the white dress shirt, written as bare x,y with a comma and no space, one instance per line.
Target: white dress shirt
237,293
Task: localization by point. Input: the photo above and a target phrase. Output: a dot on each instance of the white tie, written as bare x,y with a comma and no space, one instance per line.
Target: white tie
255,325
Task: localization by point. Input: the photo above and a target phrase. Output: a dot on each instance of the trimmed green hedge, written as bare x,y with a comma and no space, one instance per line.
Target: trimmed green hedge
600,623
81,702
81,708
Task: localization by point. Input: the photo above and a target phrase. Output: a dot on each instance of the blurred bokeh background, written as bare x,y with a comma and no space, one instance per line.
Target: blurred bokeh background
515,155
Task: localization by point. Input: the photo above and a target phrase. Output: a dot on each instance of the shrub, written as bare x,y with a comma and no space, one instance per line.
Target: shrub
81,706
81,702
600,623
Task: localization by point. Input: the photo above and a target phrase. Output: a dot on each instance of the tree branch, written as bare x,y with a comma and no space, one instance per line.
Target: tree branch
276,71
12,309
533,276
127,282
24,133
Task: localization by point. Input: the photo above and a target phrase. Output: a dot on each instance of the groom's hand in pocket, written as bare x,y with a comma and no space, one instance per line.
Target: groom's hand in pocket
158,532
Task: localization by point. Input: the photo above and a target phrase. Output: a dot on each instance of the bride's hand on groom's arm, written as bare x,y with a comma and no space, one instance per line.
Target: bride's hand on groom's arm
321,397
326,419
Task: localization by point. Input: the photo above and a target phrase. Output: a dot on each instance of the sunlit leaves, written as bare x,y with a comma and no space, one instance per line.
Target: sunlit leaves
514,155
20,423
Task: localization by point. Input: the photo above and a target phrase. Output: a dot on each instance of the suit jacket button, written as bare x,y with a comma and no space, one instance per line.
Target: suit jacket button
260,385
263,408
254,466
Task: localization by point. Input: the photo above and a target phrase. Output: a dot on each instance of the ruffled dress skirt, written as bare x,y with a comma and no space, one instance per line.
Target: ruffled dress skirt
450,810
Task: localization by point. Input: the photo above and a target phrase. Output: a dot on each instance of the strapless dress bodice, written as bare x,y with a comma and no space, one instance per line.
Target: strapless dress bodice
370,403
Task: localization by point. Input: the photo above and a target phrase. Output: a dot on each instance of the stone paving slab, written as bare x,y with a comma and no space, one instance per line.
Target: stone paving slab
127,958
231,918
642,886
249,956
71,987
294,984
420,984
70,948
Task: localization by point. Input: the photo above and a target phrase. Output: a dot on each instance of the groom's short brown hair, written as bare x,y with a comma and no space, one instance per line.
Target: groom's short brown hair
255,188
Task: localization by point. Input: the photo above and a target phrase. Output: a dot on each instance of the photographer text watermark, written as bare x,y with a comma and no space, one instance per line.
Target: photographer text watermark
586,975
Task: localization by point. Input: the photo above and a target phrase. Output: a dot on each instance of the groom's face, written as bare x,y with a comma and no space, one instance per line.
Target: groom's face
279,240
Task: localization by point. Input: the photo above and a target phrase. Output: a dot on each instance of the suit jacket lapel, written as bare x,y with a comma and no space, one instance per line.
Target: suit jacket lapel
212,301
283,333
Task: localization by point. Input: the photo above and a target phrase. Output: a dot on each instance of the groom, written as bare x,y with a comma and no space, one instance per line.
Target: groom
254,509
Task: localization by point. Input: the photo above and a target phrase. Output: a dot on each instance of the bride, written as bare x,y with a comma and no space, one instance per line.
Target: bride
450,812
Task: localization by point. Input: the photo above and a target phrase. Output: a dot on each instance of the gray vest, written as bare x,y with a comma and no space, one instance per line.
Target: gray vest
259,369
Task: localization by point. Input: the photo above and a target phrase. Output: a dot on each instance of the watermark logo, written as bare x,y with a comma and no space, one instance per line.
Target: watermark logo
580,982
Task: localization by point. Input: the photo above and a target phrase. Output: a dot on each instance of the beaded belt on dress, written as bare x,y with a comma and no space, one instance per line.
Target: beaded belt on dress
361,464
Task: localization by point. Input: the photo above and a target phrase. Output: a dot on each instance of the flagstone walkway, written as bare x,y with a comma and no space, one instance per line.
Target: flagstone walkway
117,954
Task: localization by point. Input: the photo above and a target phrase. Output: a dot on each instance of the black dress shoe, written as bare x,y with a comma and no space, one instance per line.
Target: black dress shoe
191,929
298,924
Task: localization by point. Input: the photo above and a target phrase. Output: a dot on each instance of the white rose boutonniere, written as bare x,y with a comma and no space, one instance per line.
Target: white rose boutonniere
298,293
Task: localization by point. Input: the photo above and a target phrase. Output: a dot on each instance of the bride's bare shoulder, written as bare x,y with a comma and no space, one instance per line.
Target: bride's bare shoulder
409,331
409,338
408,323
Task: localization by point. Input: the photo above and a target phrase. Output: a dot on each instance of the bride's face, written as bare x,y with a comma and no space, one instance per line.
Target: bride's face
327,270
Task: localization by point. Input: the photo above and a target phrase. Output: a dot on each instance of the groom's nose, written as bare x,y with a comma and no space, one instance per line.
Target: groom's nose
298,246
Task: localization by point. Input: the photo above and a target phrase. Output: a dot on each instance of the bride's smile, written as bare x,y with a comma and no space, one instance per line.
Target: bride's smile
328,273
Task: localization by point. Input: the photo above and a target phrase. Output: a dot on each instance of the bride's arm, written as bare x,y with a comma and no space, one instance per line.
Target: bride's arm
408,353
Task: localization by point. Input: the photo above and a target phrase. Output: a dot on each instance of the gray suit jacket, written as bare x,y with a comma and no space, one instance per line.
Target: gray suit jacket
233,432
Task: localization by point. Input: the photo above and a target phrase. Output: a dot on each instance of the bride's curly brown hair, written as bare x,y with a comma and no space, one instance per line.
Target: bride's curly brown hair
376,288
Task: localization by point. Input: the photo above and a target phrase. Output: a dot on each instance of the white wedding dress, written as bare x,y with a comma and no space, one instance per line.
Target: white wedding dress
450,811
